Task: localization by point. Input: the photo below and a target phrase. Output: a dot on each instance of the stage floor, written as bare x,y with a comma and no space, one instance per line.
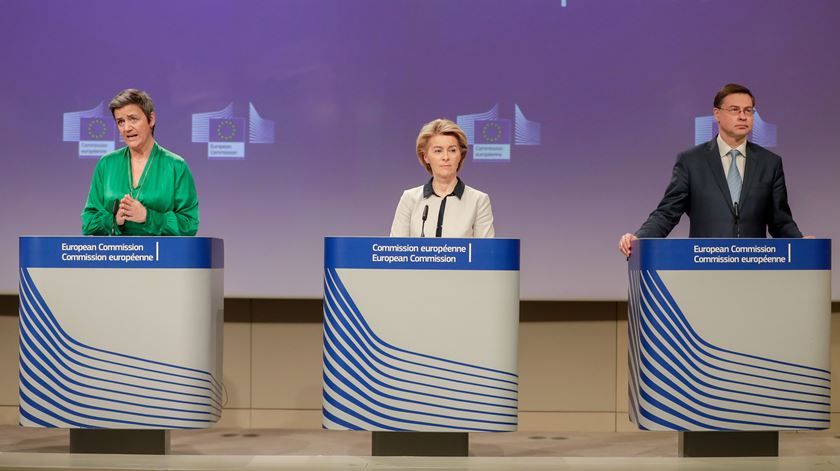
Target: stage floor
236,449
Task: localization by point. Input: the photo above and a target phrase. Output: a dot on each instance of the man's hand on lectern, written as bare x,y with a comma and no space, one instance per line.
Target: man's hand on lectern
624,244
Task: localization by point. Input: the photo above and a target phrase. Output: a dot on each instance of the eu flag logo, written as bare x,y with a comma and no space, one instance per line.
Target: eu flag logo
495,131
226,138
96,137
227,129
491,139
96,129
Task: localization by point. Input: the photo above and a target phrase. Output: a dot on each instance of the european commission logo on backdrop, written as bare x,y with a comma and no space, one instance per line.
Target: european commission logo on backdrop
226,134
93,129
492,137
763,133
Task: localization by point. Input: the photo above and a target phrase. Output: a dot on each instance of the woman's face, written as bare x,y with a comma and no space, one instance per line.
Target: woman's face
135,129
443,155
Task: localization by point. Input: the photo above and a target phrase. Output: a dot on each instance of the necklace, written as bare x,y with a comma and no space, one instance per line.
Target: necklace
143,176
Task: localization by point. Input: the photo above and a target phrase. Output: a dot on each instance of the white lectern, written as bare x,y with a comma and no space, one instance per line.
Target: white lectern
120,333
730,335
420,335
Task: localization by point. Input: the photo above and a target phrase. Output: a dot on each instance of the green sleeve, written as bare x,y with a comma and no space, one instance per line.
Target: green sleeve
96,219
183,219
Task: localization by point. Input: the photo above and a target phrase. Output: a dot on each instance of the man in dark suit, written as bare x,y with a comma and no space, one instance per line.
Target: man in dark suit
728,187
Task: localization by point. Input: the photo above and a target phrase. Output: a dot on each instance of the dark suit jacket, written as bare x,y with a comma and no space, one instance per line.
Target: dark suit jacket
698,188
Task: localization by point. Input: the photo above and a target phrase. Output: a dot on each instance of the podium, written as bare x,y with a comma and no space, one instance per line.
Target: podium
121,338
420,338
729,341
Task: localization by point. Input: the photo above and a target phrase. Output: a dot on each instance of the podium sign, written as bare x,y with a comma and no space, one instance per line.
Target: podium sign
730,334
121,332
420,334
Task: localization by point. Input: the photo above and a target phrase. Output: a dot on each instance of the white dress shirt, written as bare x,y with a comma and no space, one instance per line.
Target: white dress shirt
466,213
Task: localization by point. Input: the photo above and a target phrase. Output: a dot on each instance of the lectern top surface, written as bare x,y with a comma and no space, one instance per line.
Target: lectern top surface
121,252
421,253
731,254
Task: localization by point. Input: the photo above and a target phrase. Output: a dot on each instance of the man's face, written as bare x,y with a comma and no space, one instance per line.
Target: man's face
735,116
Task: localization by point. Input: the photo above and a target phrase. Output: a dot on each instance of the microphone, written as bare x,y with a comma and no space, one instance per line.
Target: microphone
425,216
737,221
116,208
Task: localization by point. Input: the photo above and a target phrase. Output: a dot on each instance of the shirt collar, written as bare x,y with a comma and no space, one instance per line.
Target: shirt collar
724,148
428,190
155,149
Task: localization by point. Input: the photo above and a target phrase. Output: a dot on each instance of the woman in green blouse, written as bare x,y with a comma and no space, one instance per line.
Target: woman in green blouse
141,189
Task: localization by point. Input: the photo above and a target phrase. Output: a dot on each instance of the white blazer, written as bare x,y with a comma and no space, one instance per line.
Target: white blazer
467,213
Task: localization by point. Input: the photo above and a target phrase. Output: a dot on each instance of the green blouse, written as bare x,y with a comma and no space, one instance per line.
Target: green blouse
166,189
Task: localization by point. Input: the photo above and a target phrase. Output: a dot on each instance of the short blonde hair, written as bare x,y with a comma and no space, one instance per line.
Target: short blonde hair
440,127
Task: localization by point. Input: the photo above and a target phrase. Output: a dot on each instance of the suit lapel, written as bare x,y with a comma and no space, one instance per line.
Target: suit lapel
750,164
715,165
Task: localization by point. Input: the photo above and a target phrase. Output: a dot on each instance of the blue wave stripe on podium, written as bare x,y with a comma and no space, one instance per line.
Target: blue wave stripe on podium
340,356
682,361
64,396
61,387
51,323
331,421
57,405
366,367
44,326
54,350
360,401
662,295
687,338
369,342
683,389
34,420
335,285
372,385
633,350
680,386
331,367
690,412
351,331
55,363
677,350
674,366
29,406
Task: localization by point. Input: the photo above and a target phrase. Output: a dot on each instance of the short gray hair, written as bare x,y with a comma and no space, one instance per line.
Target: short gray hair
133,96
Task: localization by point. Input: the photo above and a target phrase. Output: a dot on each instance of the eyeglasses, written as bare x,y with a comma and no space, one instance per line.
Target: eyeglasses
735,111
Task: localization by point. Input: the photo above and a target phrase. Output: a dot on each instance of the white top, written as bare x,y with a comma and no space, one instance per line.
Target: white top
467,213
726,159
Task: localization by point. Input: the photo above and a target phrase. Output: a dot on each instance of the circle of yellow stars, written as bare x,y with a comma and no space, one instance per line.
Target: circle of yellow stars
226,125
96,128
496,135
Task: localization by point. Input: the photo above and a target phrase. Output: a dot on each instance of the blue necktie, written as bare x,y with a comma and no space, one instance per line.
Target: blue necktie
733,177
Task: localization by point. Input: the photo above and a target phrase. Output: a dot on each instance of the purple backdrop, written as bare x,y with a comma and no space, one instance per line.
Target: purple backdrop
615,87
